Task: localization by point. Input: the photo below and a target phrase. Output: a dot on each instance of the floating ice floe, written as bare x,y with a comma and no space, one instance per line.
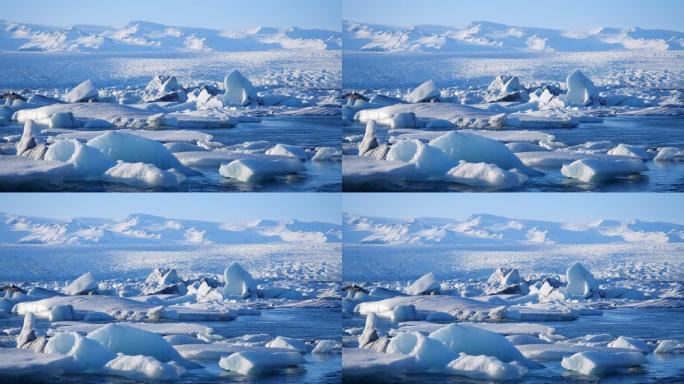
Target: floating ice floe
600,170
21,363
85,91
83,285
358,362
486,368
288,151
593,363
426,284
427,91
239,90
134,149
134,341
252,362
250,170
87,353
484,175
141,367
581,91
143,175
631,151
88,161
238,282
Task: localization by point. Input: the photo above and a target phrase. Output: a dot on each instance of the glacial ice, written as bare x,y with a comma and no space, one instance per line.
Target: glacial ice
630,151
581,282
426,284
139,367
593,363
250,170
427,91
484,175
485,367
83,285
581,91
287,150
22,363
238,282
142,175
428,351
239,90
430,161
133,149
86,352
476,149
134,341
595,170
630,343
88,161
476,341
83,92
289,343
252,362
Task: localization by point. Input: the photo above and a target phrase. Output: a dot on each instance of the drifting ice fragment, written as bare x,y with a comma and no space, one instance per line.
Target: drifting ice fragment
630,151
484,175
88,161
476,149
86,352
581,91
134,149
252,170
143,367
594,170
134,341
253,362
83,285
143,175
486,368
581,282
594,363
287,150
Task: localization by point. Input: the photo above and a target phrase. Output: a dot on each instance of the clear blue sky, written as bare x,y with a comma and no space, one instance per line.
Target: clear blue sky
214,14
217,207
565,14
559,207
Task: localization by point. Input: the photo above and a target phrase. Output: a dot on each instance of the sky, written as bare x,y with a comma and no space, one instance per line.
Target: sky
566,14
558,207
213,14
216,207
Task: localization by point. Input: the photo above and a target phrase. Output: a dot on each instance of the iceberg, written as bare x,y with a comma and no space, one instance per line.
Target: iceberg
430,162
476,149
486,368
239,90
596,170
581,91
86,352
484,175
83,285
426,284
141,367
581,282
85,91
427,91
251,170
134,341
630,151
133,149
287,150
22,363
289,343
142,175
625,342
238,282
88,161
428,351
593,363
252,362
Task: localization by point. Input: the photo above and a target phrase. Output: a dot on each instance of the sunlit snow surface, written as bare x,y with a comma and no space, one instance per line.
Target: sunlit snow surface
484,266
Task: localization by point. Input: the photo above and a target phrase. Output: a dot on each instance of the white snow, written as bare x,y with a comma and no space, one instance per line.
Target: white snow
250,170
252,362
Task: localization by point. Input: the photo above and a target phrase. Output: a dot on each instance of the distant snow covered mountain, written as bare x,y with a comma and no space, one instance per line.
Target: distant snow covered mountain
489,229
148,229
145,36
482,36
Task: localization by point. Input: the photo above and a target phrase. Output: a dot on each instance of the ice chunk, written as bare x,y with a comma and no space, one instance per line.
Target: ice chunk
133,149
369,141
327,154
251,170
598,170
594,363
424,92
404,120
62,313
429,352
506,88
486,368
630,343
581,91
287,150
238,282
370,331
86,352
484,175
83,92
88,161
143,367
669,347
476,149
83,285
506,281
361,169
630,151
252,362
402,313
476,341
431,162
669,154
363,362
134,341
164,88
289,343
238,90
426,284
327,347
143,175
581,282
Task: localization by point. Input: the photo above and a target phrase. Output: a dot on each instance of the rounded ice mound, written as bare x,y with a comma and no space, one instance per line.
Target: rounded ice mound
593,363
430,161
473,148
630,151
476,341
238,282
429,352
250,170
134,341
82,92
484,175
596,170
424,92
134,149
581,91
84,284
88,161
486,368
143,175
287,150
143,367
238,90
581,282
426,284
86,352
253,362
62,120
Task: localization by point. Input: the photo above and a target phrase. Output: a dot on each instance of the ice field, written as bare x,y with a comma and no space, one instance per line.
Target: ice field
575,113
494,298
251,111
154,298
